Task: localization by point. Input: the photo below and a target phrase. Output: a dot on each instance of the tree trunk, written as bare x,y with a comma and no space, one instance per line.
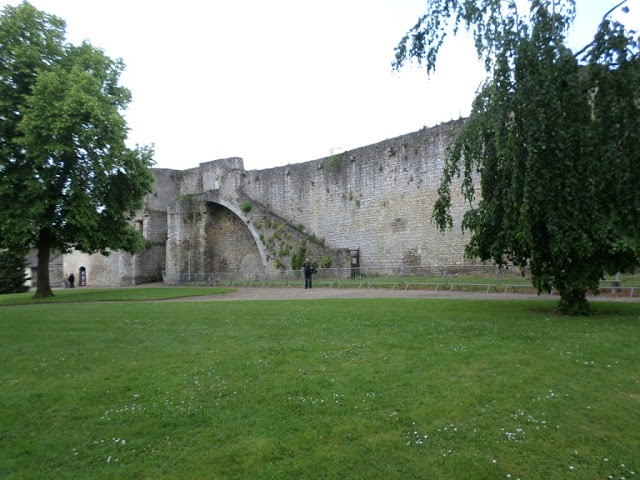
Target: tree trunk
573,302
44,250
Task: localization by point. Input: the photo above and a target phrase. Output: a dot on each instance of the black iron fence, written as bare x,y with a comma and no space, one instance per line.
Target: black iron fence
450,277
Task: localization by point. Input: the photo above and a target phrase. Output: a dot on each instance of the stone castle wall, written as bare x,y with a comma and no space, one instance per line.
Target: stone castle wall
120,269
377,199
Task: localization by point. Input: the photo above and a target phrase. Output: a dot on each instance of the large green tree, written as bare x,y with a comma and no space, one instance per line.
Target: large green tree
550,155
67,179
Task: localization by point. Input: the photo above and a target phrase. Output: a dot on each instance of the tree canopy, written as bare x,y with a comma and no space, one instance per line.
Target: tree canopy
67,179
550,155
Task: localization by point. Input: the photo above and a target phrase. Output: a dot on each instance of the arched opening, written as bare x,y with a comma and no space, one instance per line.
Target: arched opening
82,277
229,245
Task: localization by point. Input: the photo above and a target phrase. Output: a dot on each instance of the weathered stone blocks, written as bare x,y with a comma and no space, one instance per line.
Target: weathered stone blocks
220,217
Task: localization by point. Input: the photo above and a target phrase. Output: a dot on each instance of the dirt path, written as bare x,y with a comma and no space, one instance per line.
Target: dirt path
274,293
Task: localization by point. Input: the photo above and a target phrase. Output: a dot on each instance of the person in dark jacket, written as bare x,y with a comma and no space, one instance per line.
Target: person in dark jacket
72,280
308,271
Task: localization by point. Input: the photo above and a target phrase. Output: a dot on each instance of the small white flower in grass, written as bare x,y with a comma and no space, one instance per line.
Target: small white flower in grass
571,467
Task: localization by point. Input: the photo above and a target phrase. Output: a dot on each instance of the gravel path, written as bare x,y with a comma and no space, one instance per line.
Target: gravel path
274,293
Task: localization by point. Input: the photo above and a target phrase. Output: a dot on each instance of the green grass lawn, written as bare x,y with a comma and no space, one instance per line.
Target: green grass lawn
332,389
73,295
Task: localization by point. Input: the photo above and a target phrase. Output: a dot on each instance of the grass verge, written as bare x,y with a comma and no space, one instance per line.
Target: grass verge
394,389
74,295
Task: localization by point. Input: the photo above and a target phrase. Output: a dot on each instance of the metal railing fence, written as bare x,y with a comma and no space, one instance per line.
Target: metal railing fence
450,277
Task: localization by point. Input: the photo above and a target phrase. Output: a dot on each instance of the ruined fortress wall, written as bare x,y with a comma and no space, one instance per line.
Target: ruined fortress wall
206,231
149,265
122,269
377,198
223,176
102,271
154,215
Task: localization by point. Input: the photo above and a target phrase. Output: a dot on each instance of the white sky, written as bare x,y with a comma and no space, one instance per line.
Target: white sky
278,81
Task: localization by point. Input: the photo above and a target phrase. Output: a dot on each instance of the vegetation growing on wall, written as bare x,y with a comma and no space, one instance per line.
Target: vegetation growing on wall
297,259
246,206
277,236
317,240
335,162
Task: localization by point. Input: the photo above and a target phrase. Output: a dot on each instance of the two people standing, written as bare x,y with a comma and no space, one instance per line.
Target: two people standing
69,281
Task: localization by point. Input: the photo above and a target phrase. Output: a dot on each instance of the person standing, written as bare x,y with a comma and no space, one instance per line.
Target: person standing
308,271
65,281
72,279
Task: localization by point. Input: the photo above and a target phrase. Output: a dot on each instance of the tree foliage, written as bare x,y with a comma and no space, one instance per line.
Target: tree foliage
297,259
550,155
13,274
67,178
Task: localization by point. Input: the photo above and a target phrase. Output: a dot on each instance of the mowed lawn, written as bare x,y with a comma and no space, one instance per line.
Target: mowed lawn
322,389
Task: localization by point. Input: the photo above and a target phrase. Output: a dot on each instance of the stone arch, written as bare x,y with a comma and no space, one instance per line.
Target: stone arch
231,244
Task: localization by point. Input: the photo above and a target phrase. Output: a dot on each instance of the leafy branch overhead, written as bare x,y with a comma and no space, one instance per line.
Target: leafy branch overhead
549,157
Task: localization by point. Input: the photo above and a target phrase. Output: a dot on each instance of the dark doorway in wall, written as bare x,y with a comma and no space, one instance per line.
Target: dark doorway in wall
229,246
82,275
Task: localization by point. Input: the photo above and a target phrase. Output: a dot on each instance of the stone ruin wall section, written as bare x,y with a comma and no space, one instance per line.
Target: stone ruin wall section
377,198
189,227
121,269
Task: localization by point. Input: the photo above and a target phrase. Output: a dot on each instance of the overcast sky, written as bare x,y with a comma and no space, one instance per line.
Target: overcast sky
278,81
